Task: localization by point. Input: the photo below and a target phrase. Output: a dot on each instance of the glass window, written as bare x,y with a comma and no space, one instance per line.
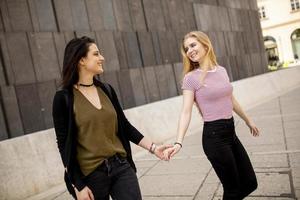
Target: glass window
262,12
295,5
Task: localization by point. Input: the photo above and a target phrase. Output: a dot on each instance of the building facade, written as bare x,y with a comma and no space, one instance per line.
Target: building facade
280,22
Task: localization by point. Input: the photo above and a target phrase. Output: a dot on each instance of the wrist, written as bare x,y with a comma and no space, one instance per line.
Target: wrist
178,144
152,148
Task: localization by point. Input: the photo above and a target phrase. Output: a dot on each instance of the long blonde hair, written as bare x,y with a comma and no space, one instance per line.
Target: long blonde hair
201,37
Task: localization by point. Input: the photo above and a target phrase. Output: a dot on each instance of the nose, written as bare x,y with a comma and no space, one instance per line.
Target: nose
102,58
189,51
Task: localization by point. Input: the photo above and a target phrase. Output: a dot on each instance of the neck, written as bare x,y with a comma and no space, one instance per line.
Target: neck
206,65
86,79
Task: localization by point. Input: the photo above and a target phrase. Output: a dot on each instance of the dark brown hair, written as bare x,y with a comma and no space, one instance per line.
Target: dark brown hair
74,51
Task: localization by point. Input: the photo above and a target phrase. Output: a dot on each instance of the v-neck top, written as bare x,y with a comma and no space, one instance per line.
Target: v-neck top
97,131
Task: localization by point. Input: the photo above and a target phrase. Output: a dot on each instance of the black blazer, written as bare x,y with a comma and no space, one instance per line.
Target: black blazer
65,129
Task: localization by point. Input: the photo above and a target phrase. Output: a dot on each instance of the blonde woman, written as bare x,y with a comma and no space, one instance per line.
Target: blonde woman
207,84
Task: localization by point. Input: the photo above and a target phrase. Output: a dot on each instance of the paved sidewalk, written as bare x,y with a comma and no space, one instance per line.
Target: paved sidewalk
275,156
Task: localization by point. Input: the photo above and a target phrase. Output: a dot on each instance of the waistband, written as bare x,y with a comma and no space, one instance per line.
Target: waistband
220,121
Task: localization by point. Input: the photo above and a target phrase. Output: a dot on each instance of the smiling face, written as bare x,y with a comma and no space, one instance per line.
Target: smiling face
93,61
194,49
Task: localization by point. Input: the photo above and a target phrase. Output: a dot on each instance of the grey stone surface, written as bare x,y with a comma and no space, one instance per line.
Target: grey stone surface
137,15
166,81
20,58
132,49
202,15
187,186
44,56
42,15
167,15
234,67
189,15
230,43
146,47
94,15
234,18
154,15
223,14
126,89
107,47
244,64
107,13
18,15
151,84
46,91
214,18
177,15
168,47
256,62
90,34
79,14
30,108
121,53
60,43
122,16
64,15
2,74
178,68
3,129
11,110
218,42
156,47
5,16
138,88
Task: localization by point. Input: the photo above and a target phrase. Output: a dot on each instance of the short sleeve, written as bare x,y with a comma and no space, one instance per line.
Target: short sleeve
187,83
226,74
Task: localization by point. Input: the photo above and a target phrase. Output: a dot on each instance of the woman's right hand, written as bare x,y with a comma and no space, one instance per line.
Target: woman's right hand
170,152
84,194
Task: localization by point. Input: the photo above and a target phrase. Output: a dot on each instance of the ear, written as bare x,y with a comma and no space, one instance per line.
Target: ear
82,61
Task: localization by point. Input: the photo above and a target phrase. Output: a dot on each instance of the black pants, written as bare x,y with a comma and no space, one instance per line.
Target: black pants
116,178
229,159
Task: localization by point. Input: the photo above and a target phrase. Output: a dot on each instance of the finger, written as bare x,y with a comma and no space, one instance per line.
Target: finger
91,195
173,153
256,132
166,146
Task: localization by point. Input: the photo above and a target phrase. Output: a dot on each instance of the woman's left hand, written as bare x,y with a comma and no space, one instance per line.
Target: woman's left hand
159,151
253,129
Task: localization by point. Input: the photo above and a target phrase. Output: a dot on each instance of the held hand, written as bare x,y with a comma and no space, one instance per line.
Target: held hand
170,152
159,151
253,129
84,194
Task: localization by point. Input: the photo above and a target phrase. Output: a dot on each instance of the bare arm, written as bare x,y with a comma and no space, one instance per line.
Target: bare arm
185,115
240,112
183,123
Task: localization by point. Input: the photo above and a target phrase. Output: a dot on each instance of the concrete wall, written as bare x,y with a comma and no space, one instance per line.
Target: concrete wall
31,164
139,39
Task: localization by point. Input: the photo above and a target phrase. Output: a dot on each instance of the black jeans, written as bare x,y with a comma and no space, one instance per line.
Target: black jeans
229,159
116,178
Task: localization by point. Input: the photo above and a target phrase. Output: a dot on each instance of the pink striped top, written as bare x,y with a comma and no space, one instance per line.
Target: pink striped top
213,98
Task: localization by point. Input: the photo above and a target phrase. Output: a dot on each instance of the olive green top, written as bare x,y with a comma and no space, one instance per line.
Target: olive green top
97,131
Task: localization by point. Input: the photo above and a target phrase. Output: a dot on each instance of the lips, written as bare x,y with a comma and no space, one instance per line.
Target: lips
193,55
